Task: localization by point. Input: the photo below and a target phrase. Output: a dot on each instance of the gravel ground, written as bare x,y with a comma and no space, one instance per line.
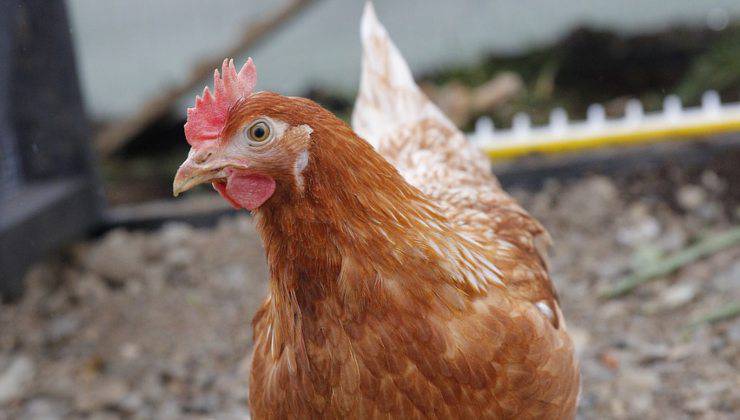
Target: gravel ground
156,324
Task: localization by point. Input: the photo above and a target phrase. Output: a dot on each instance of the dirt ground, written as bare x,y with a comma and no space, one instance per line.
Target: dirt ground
142,324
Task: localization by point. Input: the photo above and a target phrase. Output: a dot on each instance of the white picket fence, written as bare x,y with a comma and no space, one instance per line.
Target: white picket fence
561,134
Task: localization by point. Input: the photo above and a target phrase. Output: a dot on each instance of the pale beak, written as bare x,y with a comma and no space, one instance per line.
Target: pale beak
197,169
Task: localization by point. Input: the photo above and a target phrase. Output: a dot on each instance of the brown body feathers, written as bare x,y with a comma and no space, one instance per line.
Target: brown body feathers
404,282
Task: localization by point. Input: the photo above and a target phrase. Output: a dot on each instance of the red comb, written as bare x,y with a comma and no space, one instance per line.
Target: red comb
208,117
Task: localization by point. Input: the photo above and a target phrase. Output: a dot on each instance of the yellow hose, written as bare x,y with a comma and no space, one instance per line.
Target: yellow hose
507,149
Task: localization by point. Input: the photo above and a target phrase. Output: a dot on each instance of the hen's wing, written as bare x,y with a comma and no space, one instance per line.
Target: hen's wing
393,114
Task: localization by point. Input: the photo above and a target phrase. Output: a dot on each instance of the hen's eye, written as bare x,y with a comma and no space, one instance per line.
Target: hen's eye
259,132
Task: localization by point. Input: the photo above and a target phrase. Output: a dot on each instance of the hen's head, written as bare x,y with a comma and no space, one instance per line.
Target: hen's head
251,146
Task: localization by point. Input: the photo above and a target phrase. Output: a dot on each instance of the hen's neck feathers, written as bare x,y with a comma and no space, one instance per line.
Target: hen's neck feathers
357,232
354,204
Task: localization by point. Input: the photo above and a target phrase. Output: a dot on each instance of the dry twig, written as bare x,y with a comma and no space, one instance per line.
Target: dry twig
728,311
665,266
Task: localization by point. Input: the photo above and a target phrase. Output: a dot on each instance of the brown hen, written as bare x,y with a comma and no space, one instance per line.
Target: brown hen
404,283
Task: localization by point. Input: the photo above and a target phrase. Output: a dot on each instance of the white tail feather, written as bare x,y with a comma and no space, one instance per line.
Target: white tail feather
388,95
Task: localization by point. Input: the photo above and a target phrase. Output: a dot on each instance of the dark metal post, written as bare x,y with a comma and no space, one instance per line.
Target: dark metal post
49,191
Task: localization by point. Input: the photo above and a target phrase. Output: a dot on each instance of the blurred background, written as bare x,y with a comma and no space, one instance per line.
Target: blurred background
121,302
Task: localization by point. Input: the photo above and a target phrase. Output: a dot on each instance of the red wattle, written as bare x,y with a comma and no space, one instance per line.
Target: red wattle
221,188
246,191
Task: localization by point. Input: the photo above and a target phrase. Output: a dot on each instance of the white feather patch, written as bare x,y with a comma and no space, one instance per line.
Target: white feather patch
545,309
300,164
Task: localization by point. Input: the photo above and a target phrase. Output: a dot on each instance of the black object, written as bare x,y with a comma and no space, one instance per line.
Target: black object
48,187
531,172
